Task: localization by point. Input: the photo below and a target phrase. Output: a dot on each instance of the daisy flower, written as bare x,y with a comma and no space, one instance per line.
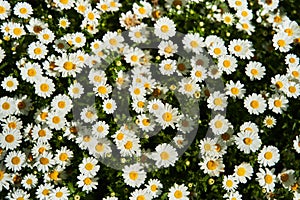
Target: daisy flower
23,10
143,10
7,106
100,129
97,77
245,25
56,120
44,162
243,172
255,70
68,65
292,90
46,36
244,14
63,156
227,63
138,34
134,175
154,187
130,146
241,48
235,195
102,90
167,116
5,178
10,84
207,147
31,72
14,160
44,87
89,166
145,123
217,101
230,183
87,183
282,42
10,139
154,106
266,179
255,104
178,192
60,193
188,87
214,72
212,166
39,148
63,22
64,4
164,28
269,121
287,178
279,82
101,148
11,123
248,141
278,103
91,16
44,191
291,59
109,106
167,67
18,194
269,5
268,156
219,124
186,124
113,41
81,6
235,90
133,56
29,181
238,4
217,49
200,60
294,72
167,48
5,9
193,42
88,114
61,103
198,73
37,50
165,155
227,18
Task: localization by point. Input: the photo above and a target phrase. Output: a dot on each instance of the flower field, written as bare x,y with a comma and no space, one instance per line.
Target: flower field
151,99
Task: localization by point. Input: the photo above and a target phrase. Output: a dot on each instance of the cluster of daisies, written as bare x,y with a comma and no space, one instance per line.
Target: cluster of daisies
37,117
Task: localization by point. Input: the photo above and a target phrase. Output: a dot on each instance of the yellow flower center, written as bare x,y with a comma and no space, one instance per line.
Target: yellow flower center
167,116
89,166
168,49
292,89
164,155
164,28
217,51
254,104
12,125
178,194
63,157
295,74
211,165
241,171
99,147
138,34
254,72
142,10
229,183
146,122
69,66
113,41
268,179
128,145
218,101
5,106
42,133
87,181
109,105
102,90
15,160
194,44
23,11
9,138
277,103
31,72
64,1
56,119
244,13
248,141
59,194
218,124
268,155
281,43
133,175
17,31
237,48
45,192
153,188
2,10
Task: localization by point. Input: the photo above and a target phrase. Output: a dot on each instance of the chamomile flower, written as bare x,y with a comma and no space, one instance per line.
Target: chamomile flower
167,48
167,67
11,123
44,162
230,183
46,36
10,139
269,5
44,87
10,84
179,141
7,106
113,41
165,155
89,166
234,195
219,124
243,172
164,28
138,34
249,126
63,156
255,104
60,193
130,146
279,82
109,106
255,70
23,10
227,63
244,14
188,87
266,179
235,90
88,114
5,9
292,89
278,103
198,73
102,90
81,6
186,124
97,77
245,25
18,194
217,101
56,120
178,192
41,133
101,148
207,147
29,181
154,187
287,178
63,22
294,72
68,65
168,116
155,105
43,191
143,10
228,18
193,42
64,4
5,178
145,123
37,50
247,141
269,121
268,156
87,183
100,129
61,103
291,59
134,175
281,42
217,49
15,160
238,4
296,144
133,56
200,60
39,148
212,166
140,194
241,48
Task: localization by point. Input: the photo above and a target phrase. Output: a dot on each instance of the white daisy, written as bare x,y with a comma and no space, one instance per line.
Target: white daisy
154,187
88,114
282,42
269,121
227,63
164,28
278,103
255,70
44,87
248,141
46,36
87,183
243,172
10,84
167,48
134,175
165,155
230,183
7,106
61,103
29,181
188,87
15,160
113,41
268,156
255,104
23,10
37,50
64,4
168,116
235,90
44,162
219,124
266,179
212,166
178,192
109,106
5,9
60,193
167,67
100,129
